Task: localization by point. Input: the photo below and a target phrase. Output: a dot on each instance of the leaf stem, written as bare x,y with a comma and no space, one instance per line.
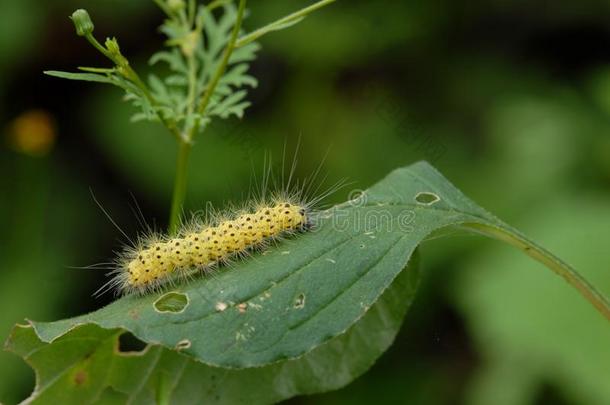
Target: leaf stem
597,299
192,82
180,182
99,46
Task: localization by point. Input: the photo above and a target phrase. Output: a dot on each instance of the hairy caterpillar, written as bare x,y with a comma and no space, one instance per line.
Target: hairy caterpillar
157,260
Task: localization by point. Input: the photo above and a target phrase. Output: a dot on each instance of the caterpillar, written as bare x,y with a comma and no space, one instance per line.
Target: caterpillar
217,238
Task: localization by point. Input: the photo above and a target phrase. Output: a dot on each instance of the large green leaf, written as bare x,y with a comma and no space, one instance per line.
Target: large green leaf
306,291
84,365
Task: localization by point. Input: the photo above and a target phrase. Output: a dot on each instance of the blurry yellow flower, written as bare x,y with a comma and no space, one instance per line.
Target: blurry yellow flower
32,133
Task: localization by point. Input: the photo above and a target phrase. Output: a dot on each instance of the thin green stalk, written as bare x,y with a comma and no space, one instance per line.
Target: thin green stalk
184,149
192,80
598,300
93,41
180,181
192,28
281,23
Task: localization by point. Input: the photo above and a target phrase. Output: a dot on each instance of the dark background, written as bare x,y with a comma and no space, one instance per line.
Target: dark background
509,99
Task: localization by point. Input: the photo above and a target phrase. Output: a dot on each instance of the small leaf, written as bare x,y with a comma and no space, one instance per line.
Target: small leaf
221,107
176,80
137,117
158,88
237,77
87,77
246,53
97,70
238,110
172,58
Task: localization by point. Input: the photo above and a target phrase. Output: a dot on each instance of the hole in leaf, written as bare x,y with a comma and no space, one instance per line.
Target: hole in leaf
183,344
299,302
172,302
128,343
427,198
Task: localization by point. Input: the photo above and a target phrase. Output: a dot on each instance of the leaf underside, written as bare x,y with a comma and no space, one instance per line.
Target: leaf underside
311,294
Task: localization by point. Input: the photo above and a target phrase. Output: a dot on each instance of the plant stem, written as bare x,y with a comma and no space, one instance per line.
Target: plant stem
192,80
98,46
281,23
599,301
180,182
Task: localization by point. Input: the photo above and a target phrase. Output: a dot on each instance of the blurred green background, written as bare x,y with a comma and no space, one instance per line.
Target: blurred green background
510,99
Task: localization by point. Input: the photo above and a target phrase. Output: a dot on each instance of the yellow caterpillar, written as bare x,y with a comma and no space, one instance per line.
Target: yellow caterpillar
214,244
158,260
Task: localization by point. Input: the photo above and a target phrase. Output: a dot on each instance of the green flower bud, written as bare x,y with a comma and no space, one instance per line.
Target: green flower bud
82,22
113,46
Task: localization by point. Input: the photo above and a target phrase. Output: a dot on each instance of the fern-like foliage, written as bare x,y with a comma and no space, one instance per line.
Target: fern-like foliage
194,50
197,54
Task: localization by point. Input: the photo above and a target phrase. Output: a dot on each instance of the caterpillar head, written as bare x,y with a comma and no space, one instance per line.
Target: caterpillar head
293,216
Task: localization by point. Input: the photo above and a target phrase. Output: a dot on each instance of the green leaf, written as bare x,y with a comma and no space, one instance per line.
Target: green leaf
173,58
223,108
87,77
237,77
227,98
246,53
84,366
305,292
97,70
